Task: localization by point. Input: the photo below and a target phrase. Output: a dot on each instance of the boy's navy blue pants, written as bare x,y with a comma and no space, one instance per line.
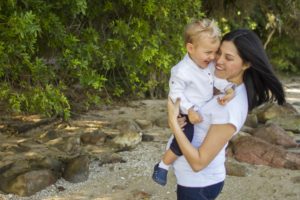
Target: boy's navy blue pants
188,130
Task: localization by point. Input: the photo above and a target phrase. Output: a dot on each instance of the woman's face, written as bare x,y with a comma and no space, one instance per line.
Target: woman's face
230,65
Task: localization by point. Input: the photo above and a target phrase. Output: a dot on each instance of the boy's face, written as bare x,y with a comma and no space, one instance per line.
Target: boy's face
204,51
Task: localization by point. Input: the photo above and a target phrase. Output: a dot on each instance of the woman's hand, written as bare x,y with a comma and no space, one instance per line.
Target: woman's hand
173,113
181,121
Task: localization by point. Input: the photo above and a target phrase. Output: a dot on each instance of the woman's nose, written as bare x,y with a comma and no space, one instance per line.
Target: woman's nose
218,59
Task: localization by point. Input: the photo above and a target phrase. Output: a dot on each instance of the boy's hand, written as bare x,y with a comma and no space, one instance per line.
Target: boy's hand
194,116
225,99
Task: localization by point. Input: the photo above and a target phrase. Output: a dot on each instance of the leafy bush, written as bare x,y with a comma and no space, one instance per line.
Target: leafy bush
55,53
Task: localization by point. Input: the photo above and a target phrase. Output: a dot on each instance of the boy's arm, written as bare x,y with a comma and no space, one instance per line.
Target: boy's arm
223,86
194,116
229,94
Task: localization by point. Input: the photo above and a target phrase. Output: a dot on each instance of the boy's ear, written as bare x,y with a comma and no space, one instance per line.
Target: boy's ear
189,47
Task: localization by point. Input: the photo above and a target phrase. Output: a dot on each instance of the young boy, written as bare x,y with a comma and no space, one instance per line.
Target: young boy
193,81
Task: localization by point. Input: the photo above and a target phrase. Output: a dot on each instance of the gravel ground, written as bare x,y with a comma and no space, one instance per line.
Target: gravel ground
132,180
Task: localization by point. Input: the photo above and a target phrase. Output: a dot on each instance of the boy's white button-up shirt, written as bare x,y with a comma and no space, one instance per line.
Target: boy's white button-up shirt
192,84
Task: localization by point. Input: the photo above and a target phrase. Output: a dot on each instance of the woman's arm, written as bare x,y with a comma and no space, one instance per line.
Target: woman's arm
216,138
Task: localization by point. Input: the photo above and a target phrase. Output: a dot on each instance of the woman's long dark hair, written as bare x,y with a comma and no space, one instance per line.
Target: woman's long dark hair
261,83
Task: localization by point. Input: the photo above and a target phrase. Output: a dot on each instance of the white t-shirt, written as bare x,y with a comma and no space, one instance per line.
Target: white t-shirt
234,112
193,85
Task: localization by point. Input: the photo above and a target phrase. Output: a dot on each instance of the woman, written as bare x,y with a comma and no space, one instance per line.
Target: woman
241,60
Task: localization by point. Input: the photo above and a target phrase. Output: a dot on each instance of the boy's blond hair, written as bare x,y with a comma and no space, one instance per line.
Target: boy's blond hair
194,31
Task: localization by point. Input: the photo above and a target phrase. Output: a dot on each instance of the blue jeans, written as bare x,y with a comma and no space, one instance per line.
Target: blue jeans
199,193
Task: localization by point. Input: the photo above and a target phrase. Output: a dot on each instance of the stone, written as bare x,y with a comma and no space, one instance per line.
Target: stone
109,158
237,136
247,129
96,138
235,168
69,144
162,121
127,125
147,138
274,134
254,150
127,140
289,122
29,183
251,120
144,124
272,110
77,169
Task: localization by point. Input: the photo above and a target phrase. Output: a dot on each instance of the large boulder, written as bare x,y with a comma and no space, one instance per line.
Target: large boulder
274,134
271,110
77,169
254,150
288,122
126,141
29,183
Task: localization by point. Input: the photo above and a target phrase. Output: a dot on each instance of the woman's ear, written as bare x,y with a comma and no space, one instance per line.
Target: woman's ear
246,65
189,47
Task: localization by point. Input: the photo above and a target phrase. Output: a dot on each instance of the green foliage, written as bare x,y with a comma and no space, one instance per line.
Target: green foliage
144,42
53,53
275,21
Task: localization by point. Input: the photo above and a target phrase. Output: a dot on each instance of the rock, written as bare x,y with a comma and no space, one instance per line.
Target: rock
254,150
24,125
77,169
96,138
38,157
69,144
147,138
237,136
110,158
251,120
235,168
229,151
289,122
274,134
111,133
127,140
50,135
144,124
271,110
127,126
247,129
29,183
162,121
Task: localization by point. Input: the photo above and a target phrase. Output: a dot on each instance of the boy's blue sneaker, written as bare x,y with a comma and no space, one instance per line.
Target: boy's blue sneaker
160,175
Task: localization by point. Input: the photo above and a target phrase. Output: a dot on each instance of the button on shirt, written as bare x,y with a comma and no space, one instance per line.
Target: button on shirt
192,84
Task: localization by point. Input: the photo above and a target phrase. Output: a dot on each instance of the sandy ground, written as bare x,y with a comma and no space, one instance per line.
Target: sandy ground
131,180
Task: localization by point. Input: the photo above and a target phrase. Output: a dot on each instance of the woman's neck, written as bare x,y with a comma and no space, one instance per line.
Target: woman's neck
237,81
